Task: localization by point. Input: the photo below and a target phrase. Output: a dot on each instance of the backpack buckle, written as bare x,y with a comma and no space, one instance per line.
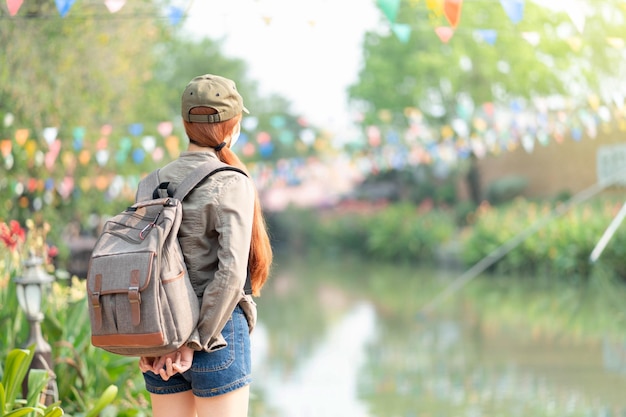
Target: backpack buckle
134,298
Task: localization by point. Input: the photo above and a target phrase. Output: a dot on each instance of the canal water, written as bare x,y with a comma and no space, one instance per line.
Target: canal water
342,338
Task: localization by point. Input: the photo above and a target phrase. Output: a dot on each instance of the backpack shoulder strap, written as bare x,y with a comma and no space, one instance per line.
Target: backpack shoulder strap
199,174
147,186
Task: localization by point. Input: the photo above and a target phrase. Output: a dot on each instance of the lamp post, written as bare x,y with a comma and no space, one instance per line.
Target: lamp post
30,287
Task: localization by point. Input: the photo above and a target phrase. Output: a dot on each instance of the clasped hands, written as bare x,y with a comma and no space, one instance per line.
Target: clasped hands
168,365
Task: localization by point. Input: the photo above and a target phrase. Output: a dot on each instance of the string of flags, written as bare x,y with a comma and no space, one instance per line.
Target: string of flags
451,10
97,160
174,13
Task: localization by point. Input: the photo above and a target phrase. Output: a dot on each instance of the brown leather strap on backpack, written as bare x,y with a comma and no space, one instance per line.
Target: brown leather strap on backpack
134,298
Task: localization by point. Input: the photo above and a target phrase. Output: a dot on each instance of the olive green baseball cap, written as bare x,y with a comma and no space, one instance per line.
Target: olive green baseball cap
213,91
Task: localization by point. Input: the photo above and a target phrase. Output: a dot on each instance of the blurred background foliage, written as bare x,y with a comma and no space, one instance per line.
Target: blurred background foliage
446,80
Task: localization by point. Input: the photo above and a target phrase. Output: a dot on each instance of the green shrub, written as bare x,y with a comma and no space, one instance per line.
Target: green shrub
559,249
384,232
506,189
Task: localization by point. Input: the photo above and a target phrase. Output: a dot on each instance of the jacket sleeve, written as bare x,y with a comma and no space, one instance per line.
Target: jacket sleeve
234,213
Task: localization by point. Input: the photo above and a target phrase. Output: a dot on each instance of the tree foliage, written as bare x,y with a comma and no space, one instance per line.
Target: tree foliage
86,69
183,58
93,68
434,76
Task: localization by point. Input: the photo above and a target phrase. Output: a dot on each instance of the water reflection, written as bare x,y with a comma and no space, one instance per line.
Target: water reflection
347,340
325,382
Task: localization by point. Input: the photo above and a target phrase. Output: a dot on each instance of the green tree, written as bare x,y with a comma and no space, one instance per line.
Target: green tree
84,69
183,58
438,77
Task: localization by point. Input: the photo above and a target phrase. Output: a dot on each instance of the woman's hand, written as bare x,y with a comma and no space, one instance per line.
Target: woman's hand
168,365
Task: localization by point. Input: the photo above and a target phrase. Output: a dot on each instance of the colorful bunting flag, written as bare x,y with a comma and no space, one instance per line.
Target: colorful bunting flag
444,33
5,147
486,35
135,129
14,6
21,135
165,128
402,31
64,6
389,8
114,6
106,130
8,119
435,6
514,9
576,12
175,15
617,43
452,10
50,134
532,38
52,154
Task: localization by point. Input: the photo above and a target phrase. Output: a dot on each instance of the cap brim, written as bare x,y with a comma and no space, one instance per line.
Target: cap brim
245,110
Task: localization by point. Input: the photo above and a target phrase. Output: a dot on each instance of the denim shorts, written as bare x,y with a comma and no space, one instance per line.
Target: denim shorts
213,373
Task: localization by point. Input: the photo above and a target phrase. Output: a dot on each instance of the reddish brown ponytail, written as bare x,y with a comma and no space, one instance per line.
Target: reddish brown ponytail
211,135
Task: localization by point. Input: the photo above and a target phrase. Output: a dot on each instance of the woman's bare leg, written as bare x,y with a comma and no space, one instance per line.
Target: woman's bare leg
181,404
231,404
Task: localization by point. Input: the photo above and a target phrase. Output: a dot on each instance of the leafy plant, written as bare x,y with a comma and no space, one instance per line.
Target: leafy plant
15,370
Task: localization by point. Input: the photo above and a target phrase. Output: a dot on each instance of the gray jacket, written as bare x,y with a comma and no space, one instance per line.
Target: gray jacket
215,238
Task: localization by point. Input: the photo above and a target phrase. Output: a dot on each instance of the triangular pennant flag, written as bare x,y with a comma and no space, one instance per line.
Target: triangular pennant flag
135,129
148,143
102,157
106,130
21,135
478,147
486,35
618,99
51,156
267,20
576,13
532,38
444,33
165,128
66,187
435,6
5,147
389,8
514,9
14,6
78,133
175,15
617,43
50,134
452,10
64,6
8,120
250,123
542,137
528,142
402,32
575,42
114,6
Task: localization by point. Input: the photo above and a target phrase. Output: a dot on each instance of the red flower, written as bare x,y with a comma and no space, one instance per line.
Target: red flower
12,234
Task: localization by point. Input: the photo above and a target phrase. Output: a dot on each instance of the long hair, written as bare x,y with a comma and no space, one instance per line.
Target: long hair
211,135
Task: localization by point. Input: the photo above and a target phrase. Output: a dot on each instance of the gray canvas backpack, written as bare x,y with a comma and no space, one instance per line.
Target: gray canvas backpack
141,301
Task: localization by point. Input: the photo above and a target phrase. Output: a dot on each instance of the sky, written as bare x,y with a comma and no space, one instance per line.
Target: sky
307,51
